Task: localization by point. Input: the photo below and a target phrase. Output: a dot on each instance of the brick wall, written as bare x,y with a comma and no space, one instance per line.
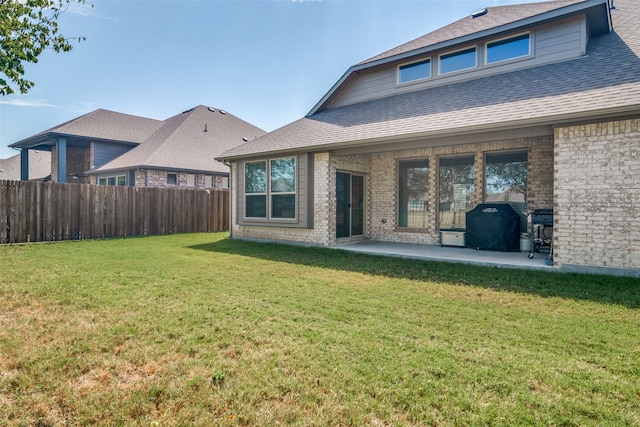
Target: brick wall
381,190
158,178
319,235
597,195
384,181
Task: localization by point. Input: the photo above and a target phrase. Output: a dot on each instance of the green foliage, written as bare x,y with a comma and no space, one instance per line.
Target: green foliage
27,28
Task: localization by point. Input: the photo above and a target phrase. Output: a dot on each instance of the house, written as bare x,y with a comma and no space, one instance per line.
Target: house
535,104
39,166
110,148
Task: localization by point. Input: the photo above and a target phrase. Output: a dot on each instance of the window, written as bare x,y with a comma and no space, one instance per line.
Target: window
413,193
172,179
456,188
255,188
506,181
283,188
277,189
456,61
512,47
113,180
191,180
414,71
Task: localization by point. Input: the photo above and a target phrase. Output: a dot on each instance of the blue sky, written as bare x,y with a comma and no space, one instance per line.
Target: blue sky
266,61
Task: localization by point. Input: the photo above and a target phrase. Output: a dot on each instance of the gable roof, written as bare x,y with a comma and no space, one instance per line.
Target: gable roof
39,166
495,17
604,82
492,21
188,141
99,124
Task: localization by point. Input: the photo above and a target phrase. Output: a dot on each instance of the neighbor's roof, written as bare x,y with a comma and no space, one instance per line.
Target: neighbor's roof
39,166
605,81
188,141
100,124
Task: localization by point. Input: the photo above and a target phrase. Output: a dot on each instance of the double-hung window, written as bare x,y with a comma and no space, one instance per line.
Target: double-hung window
506,181
413,193
456,190
270,188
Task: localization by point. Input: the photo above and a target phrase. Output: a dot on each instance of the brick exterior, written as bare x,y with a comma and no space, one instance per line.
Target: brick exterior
597,195
78,161
381,181
158,178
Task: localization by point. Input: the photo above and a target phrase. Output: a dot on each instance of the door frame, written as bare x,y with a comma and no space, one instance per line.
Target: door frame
351,236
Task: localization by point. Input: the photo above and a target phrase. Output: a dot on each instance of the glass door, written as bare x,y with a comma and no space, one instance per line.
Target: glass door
349,205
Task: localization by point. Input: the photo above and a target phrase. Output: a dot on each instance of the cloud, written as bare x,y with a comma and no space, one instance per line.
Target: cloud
88,10
43,103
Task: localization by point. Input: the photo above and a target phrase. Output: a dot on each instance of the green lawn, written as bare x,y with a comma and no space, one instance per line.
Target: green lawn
198,329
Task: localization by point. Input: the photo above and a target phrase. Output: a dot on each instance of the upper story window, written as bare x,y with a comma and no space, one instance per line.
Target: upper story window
509,48
457,61
414,71
273,192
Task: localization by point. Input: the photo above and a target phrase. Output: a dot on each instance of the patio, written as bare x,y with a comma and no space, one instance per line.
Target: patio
450,254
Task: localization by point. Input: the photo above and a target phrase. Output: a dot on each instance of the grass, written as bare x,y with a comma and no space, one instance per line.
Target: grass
198,329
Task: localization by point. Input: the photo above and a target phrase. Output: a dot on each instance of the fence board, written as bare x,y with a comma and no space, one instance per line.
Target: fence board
46,211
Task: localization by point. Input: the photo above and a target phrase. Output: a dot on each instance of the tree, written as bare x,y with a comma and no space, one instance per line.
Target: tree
27,28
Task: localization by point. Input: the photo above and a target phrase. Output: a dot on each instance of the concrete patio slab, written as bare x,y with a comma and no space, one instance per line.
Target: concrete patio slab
450,254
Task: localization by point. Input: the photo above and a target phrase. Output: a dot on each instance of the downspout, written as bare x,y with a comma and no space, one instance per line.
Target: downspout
228,164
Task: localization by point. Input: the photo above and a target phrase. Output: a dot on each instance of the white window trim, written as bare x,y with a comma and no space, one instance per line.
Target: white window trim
115,177
513,59
462,70
404,64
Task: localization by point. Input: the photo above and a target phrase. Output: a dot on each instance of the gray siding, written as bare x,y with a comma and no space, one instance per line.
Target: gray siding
565,39
304,195
103,153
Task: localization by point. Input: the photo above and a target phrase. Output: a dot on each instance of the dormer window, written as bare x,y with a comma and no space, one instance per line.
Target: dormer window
414,71
457,61
509,48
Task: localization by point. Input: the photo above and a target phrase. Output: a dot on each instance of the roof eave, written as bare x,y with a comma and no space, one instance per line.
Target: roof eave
533,20
99,171
555,120
49,137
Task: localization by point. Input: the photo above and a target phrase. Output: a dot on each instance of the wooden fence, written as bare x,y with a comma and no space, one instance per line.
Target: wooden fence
33,211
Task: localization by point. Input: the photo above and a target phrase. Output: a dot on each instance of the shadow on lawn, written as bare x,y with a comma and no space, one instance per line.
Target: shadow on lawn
623,291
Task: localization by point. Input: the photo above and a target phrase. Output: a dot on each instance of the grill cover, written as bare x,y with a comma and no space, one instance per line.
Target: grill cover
493,226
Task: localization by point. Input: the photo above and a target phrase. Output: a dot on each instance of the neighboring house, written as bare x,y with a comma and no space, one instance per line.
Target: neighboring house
540,100
105,147
39,166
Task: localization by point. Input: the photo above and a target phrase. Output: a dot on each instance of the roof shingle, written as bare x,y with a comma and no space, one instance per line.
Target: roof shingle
606,80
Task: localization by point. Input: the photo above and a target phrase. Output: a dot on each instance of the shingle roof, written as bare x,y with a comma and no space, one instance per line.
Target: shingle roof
495,17
606,80
103,124
39,166
188,141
